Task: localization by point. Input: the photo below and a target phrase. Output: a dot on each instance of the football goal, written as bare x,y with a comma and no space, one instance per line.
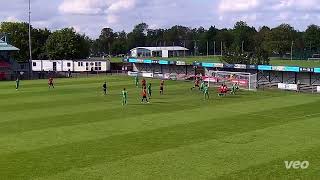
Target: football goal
243,79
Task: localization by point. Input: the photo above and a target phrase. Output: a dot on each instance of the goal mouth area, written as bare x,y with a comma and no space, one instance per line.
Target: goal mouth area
243,80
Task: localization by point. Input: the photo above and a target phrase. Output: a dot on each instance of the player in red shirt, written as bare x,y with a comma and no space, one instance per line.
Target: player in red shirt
225,89
161,87
196,84
50,82
144,83
144,95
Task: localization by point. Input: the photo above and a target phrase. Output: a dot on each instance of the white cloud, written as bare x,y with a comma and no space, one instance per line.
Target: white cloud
81,6
296,5
121,5
112,19
88,7
12,19
90,16
237,5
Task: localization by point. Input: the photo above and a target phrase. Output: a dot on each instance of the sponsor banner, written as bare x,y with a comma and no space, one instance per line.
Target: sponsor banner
172,76
158,76
132,73
252,67
132,60
210,79
147,61
240,82
147,75
230,66
278,68
163,62
218,65
306,70
155,62
207,64
291,69
172,62
317,70
180,63
291,87
264,68
139,61
318,89
196,64
240,66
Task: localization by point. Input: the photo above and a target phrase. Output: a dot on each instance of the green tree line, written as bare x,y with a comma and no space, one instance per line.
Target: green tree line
241,40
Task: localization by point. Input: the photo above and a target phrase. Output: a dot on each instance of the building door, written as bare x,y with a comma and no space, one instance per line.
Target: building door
54,66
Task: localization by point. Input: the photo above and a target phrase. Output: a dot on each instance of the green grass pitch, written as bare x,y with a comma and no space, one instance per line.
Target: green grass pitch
74,132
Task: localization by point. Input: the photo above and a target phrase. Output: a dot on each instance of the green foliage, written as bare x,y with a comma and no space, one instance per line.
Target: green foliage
18,34
258,57
67,44
241,39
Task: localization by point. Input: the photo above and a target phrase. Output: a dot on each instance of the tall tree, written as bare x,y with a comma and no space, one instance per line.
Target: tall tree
119,46
280,39
18,36
243,37
67,44
106,39
138,36
312,37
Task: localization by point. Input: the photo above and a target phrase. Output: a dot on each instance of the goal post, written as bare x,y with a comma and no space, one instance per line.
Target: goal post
244,80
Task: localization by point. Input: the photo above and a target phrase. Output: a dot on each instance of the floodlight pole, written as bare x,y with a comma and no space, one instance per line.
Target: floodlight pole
30,43
184,45
292,51
242,46
214,48
221,48
195,47
207,48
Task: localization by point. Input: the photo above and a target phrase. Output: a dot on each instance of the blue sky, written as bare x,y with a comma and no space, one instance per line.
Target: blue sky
90,16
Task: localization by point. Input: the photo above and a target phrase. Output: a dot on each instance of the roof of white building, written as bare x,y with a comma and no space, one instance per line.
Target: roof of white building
168,48
4,46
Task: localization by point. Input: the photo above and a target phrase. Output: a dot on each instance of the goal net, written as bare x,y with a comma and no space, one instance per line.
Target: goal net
244,80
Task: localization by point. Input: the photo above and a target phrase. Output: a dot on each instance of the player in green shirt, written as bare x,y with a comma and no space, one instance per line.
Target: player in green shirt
17,83
136,80
206,92
202,86
234,89
149,90
124,96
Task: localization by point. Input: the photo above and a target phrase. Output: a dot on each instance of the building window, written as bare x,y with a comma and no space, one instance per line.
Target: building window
80,63
96,63
34,64
87,64
99,63
68,64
